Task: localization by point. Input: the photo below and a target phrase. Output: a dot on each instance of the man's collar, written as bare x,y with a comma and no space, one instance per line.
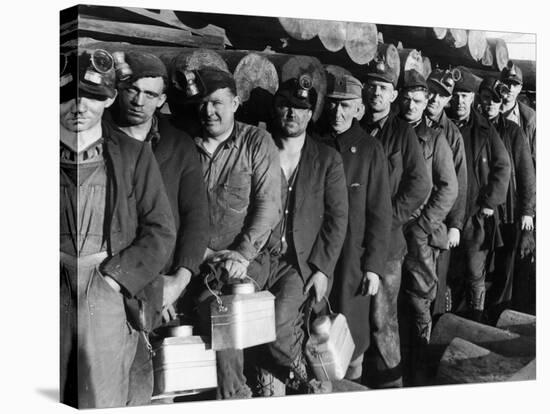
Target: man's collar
233,140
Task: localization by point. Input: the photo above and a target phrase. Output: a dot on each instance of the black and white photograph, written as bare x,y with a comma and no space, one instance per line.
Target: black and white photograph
284,202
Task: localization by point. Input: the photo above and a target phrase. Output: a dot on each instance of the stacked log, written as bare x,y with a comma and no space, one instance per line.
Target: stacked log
477,44
499,50
426,66
391,55
332,35
456,38
361,42
409,59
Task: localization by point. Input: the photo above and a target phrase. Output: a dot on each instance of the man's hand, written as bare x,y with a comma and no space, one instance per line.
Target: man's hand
487,212
113,283
370,284
173,285
453,234
236,269
527,223
319,281
232,261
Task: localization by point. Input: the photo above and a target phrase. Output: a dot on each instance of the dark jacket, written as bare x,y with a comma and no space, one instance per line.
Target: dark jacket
369,227
488,176
520,199
455,218
139,225
528,118
179,164
440,166
408,178
320,213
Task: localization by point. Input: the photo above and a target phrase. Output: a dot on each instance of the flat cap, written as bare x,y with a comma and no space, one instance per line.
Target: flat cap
145,65
443,81
467,81
343,87
412,79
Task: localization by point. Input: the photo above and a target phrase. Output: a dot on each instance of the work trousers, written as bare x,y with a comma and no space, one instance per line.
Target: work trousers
286,284
384,355
98,345
420,279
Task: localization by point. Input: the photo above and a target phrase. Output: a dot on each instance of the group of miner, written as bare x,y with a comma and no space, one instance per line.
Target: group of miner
395,205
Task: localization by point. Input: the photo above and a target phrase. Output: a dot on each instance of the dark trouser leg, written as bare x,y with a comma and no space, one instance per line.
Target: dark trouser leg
106,343
68,371
385,356
287,286
420,282
442,302
475,261
141,376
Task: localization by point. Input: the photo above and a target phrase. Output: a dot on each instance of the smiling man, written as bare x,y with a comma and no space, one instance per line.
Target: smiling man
488,166
242,175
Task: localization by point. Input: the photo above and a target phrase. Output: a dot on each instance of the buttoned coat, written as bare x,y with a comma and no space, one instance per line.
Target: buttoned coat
368,230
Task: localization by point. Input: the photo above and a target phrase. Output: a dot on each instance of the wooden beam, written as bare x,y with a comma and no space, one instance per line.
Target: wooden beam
148,32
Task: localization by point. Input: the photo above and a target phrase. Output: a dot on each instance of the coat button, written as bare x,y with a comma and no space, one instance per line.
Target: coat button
353,150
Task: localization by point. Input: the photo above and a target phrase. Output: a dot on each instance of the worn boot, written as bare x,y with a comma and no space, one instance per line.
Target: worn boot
301,382
477,304
268,385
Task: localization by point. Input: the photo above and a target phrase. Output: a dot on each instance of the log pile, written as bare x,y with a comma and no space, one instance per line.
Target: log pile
471,352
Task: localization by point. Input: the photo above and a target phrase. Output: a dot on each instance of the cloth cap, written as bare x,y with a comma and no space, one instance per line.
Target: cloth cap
441,81
467,81
382,71
412,79
343,87
145,65
94,80
511,73
299,92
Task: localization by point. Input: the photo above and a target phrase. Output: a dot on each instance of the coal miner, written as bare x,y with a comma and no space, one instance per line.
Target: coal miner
440,87
516,214
516,111
242,176
362,262
306,243
425,232
488,166
142,84
117,231
409,187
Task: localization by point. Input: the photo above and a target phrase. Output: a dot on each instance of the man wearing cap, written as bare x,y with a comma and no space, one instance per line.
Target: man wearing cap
363,258
409,186
425,232
306,243
242,175
488,166
440,87
117,232
141,93
517,111
516,214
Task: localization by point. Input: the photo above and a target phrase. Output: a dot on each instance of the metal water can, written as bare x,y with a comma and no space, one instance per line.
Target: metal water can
183,364
242,319
330,347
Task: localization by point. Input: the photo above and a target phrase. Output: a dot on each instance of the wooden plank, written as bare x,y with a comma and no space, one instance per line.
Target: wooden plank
149,32
170,18
528,372
345,385
464,362
518,322
497,340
